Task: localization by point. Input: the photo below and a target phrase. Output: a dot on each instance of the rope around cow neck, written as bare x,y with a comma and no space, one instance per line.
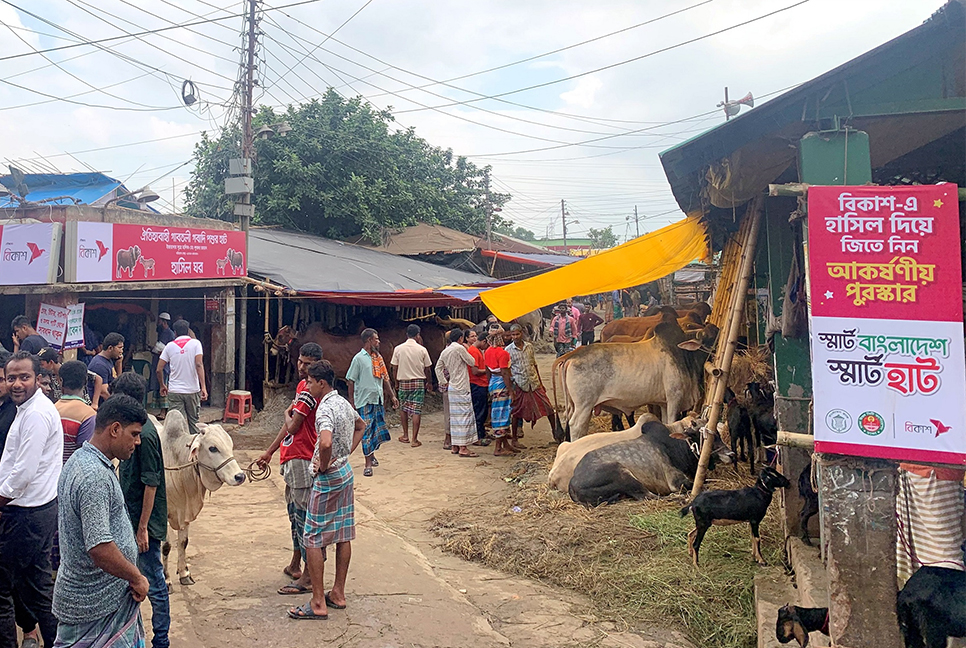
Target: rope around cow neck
253,471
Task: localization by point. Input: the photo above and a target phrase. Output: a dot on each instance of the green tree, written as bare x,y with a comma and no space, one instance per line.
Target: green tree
516,232
341,172
602,238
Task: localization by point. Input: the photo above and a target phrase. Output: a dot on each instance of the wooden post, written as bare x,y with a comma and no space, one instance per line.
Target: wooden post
755,209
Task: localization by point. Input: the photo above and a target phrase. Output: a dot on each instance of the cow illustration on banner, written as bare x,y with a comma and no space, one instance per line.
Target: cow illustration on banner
885,288
125,252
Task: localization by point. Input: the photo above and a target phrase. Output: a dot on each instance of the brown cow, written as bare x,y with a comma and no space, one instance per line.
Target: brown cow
633,329
236,259
127,259
340,349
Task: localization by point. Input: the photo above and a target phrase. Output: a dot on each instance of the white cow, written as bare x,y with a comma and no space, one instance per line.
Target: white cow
194,464
569,453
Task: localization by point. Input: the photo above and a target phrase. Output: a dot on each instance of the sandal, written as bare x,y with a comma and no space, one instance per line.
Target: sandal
305,611
367,472
482,442
447,446
329,603
403,439
469,455
291,574
375,462
294,588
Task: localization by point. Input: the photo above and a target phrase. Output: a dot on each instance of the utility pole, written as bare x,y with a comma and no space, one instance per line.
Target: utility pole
637,223
489,209
563,219
244,208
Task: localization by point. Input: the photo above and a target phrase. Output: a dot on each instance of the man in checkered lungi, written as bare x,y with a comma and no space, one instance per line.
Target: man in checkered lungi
330,518
368,382
410,365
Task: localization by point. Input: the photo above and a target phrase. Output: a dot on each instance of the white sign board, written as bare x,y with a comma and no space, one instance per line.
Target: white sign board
52,324
29,253
74,339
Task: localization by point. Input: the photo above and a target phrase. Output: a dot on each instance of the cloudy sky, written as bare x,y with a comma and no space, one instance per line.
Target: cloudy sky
461,73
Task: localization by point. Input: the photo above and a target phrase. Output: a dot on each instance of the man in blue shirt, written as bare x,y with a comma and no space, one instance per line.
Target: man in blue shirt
104,364
99,587
368,378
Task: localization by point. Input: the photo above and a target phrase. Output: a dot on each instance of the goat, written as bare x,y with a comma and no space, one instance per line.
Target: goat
809,501
796,622
761,408
733,506
739,428
932,607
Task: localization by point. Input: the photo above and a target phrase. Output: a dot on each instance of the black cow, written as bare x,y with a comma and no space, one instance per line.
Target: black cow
656,463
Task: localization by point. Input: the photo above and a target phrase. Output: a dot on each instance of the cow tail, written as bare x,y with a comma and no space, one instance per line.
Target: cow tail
685,510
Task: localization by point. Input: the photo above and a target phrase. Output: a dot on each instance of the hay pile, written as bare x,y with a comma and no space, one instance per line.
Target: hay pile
750,365
630,558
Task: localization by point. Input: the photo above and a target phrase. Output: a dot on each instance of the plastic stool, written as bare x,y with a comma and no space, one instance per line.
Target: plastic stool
242,410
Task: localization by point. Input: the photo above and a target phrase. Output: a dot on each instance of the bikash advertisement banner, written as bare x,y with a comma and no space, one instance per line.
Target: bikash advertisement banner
29,253
101,252
885,285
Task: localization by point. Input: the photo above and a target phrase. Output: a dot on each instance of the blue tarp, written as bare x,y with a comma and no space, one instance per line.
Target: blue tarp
87,188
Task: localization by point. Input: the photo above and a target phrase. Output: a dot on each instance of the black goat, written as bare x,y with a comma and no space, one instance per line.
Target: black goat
732,506
809,501
739,429
796,622
932,607
761,408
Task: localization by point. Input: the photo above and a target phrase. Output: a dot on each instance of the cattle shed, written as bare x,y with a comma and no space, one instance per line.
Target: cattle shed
895,116
299,279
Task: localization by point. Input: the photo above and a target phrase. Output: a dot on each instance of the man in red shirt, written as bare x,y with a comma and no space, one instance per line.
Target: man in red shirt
479,384
296,442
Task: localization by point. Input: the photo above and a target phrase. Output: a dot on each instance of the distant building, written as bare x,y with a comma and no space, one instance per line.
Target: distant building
574,247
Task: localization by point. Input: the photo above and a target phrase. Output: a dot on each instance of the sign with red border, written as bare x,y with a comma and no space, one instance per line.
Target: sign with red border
885,286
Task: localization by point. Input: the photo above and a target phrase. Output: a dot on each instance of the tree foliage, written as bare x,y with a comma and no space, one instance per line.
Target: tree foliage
343,171
602,238
516,232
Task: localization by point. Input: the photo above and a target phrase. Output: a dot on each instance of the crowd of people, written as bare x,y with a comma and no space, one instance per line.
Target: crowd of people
80,542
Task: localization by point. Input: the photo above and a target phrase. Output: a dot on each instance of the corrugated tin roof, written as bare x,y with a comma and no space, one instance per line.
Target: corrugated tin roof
309,263
423,238
538,260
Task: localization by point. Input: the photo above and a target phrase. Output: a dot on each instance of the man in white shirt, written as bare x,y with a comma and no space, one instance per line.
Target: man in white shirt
29,470
410,365
185,388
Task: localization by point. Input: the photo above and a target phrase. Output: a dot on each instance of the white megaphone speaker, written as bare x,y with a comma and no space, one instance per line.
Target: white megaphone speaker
731,108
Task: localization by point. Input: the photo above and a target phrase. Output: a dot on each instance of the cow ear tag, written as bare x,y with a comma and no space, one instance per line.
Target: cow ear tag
690,345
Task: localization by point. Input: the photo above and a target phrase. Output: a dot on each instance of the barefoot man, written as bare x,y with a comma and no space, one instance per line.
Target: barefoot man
455,362
296,442
331,515
530,402
411,366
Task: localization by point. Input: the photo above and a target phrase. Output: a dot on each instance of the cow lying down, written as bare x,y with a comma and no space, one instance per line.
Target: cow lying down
658,462
194,465
569,453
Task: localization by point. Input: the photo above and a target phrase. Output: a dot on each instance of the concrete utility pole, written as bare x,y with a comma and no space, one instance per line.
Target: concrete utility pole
563,219
243,206
637,222
489,209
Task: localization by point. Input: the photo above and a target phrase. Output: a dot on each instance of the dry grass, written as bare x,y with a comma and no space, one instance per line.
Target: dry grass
631,558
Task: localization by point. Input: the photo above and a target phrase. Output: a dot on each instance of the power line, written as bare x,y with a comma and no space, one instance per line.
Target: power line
143,33
619,63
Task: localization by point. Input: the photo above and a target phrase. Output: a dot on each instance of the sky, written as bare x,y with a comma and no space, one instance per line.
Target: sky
587,135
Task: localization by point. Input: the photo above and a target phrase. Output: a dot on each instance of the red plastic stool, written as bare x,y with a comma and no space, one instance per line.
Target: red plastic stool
242,410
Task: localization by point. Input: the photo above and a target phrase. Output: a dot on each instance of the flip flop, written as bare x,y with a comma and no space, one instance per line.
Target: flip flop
367,472
482,442
447,446
469,455
416,444
329,603
305,611
288,572
403,440
294,588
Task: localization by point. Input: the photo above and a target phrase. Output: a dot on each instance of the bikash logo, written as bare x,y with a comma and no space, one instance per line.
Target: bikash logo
25,253
934,426
94,246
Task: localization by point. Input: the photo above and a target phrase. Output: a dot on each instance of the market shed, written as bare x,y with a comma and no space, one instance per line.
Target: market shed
893,116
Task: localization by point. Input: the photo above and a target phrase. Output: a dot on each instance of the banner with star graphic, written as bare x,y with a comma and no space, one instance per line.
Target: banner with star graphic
886,313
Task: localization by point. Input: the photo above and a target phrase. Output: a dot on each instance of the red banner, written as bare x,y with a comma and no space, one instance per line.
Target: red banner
885,252
123,252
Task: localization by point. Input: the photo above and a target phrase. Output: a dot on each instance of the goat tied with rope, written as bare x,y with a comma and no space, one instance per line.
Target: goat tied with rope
194,464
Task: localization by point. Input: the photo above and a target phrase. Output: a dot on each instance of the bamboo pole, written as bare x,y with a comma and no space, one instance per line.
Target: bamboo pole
266,378
756,208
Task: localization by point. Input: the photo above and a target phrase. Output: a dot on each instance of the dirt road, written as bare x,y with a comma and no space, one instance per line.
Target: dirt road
402,590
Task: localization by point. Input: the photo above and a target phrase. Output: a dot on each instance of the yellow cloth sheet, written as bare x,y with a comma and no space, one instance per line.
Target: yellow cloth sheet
636,262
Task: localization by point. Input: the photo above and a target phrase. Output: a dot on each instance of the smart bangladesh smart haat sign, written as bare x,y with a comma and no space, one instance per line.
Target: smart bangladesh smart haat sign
127,252
885,286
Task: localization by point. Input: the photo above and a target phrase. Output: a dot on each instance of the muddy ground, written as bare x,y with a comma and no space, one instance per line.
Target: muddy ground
402,589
